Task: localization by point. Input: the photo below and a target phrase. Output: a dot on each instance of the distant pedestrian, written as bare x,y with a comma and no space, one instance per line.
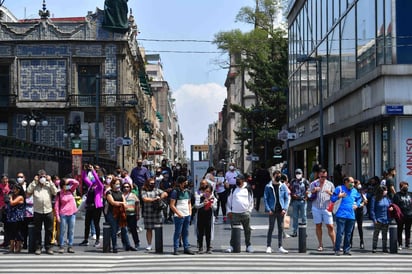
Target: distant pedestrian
239,208
345,215
277,200
180,204
205,203
15,209
42,191
65,208
322,189
116,215
94,203
151,215
299,188
379,214
403,199
261,178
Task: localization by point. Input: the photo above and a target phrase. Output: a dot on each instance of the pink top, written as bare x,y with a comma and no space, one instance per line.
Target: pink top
4,189
65,203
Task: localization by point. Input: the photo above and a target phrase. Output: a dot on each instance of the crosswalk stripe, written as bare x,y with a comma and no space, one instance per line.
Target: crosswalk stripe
228,263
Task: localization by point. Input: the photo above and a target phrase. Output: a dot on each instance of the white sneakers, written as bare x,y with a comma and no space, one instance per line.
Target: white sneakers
229,250
282,250
149,247
249,249
268,249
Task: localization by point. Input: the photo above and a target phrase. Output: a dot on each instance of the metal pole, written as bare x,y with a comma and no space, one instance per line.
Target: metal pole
34,133
321,144
96,127
266,137
123,129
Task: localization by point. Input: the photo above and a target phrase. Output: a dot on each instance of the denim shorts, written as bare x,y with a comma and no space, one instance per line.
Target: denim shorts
322,216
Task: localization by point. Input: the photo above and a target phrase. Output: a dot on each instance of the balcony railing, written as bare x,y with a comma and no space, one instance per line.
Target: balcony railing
106,100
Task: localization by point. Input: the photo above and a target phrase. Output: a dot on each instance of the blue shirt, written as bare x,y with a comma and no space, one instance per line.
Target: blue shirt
346,206
379,210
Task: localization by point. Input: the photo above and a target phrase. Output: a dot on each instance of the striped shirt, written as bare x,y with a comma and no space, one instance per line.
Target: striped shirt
323,198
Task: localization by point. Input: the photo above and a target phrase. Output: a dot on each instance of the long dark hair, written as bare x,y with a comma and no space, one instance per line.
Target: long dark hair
379,192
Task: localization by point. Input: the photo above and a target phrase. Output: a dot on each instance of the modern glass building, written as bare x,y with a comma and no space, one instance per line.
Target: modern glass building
350,85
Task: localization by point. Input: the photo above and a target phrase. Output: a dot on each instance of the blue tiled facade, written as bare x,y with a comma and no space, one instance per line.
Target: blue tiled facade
43,79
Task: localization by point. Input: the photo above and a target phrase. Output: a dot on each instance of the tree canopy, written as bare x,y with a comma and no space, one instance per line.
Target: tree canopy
262,53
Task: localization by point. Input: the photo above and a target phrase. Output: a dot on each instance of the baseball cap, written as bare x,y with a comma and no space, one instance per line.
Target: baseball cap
298,171
240,176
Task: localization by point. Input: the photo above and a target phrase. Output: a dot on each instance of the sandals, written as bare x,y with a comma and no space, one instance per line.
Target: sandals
320,248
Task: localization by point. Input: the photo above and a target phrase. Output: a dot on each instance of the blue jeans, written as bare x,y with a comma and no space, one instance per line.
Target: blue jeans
299,211
344,228
114,223
181,228
69,222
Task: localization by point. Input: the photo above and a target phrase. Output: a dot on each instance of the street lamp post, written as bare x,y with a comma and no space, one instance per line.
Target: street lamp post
318,60
96,126
33,120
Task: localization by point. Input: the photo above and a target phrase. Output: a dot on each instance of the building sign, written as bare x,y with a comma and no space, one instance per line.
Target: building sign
394,110
404,171
200,147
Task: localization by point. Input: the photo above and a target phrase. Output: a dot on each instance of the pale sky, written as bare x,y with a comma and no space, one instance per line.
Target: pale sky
195,79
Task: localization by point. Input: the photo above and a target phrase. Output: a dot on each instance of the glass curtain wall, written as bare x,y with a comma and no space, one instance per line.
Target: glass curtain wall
352,38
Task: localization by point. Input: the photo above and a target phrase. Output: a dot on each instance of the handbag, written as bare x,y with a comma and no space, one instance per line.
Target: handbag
333,207
159,205
286,222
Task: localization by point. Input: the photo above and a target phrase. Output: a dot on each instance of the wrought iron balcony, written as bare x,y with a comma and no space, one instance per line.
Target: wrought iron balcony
106,100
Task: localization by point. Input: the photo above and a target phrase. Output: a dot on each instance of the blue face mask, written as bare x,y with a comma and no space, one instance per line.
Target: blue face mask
68,187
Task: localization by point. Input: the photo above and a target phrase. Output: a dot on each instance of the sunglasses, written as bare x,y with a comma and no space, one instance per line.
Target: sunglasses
126,187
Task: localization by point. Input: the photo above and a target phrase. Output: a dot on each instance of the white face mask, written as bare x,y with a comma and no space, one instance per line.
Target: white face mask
20,180
298,176
359,186
108,180
42,180
231,167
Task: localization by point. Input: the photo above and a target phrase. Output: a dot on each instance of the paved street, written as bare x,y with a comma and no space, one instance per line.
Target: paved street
92,260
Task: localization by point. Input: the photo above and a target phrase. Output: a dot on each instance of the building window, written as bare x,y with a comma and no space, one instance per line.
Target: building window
87,84
385,146
87,79
4,85
365,155
3,129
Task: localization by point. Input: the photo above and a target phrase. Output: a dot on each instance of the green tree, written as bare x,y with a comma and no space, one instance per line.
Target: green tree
263,54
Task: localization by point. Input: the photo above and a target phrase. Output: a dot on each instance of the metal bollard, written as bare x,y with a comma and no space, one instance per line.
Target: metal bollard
107,236
158,228
302,238
236,237
31,241
393,238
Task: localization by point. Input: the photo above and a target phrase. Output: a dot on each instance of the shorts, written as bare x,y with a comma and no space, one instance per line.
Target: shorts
322,216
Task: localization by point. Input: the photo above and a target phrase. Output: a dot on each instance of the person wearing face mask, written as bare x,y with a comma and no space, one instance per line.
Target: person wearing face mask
65,208
151,216
42,191
359,214
345,215
298,192
94,203
205,203
276,198
139,175
28,215
230,176
379,215
239,207
116,215
403,199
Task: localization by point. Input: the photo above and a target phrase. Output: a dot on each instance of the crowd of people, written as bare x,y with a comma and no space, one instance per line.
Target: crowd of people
166,196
